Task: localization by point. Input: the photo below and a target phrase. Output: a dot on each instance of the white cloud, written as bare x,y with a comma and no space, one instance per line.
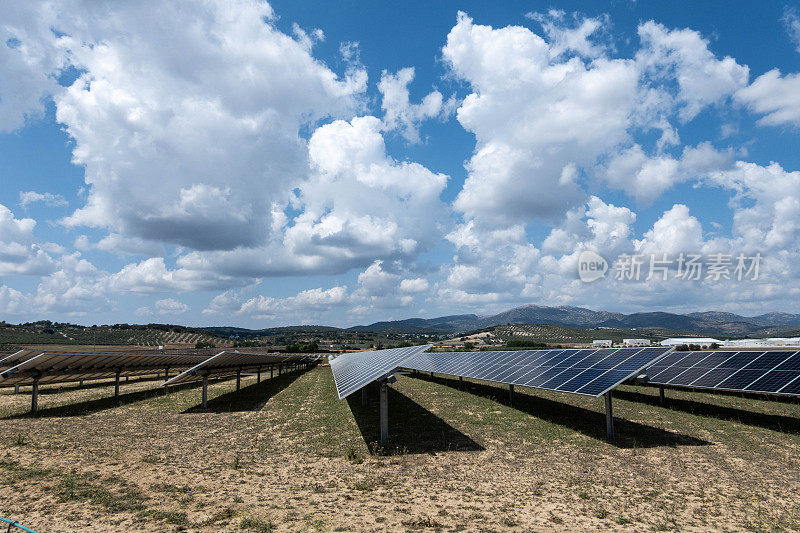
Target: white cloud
400,113
774,96
647,177
413,286
143,312
30,55
190,153
361,203
529,115
792,22
20,253
303,304
703,80
577,38
153,276
51,200
675,232
12,301
170,306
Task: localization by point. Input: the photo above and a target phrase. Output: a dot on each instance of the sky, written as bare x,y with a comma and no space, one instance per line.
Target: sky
260,164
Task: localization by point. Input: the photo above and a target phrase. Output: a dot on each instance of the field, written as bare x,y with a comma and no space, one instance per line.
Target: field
49,333
552,334
286,455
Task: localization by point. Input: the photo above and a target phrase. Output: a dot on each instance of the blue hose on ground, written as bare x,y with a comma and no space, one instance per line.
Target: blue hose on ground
13,523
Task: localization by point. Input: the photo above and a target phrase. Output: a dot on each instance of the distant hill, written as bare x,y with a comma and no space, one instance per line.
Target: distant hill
444,324
707,322
47,332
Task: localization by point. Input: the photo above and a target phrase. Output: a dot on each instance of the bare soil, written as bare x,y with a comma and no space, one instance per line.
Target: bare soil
286,455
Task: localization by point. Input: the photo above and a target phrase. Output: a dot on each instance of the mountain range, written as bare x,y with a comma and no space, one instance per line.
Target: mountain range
707,322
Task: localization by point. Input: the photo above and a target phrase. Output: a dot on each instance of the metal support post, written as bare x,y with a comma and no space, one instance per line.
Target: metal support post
363,396
609,417
116,384
205,391
239,379
258,375
511,394
35,396
661,396
384,408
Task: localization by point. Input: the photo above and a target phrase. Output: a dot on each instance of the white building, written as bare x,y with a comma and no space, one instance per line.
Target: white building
762,343
636,342
703,342
602,342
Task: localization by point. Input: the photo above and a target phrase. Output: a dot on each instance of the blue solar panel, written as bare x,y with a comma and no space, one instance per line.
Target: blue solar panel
352,371
773,372
591,372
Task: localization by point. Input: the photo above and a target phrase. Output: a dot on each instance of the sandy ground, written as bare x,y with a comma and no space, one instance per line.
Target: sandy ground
286,455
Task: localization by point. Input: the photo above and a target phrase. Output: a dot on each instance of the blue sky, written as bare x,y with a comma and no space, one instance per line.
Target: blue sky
340,163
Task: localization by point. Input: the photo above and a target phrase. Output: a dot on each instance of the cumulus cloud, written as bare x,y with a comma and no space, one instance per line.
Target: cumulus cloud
30,55
684,55
675,232
647,177
153,276
361,203
20,253
529,114
189,153
400,113
775,96
306,303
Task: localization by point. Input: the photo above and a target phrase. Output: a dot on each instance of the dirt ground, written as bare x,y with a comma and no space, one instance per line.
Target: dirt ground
286,455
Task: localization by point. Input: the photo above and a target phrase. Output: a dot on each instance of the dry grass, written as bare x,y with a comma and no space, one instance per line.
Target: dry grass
287,455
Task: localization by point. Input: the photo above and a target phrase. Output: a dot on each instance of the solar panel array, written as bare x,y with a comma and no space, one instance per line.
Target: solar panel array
229,363
59,367
352,371
591,372
773,372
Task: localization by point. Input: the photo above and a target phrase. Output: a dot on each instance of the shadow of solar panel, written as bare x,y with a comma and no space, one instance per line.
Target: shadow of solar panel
773,372
580,371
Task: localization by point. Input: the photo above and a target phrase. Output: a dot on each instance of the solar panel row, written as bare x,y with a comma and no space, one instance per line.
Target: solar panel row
591,372
231,363
352,371
53,367
772,372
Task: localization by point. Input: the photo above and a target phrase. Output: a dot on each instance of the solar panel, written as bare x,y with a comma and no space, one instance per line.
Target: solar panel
591,372
352,371
55,367
230,363
7,361
771,372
